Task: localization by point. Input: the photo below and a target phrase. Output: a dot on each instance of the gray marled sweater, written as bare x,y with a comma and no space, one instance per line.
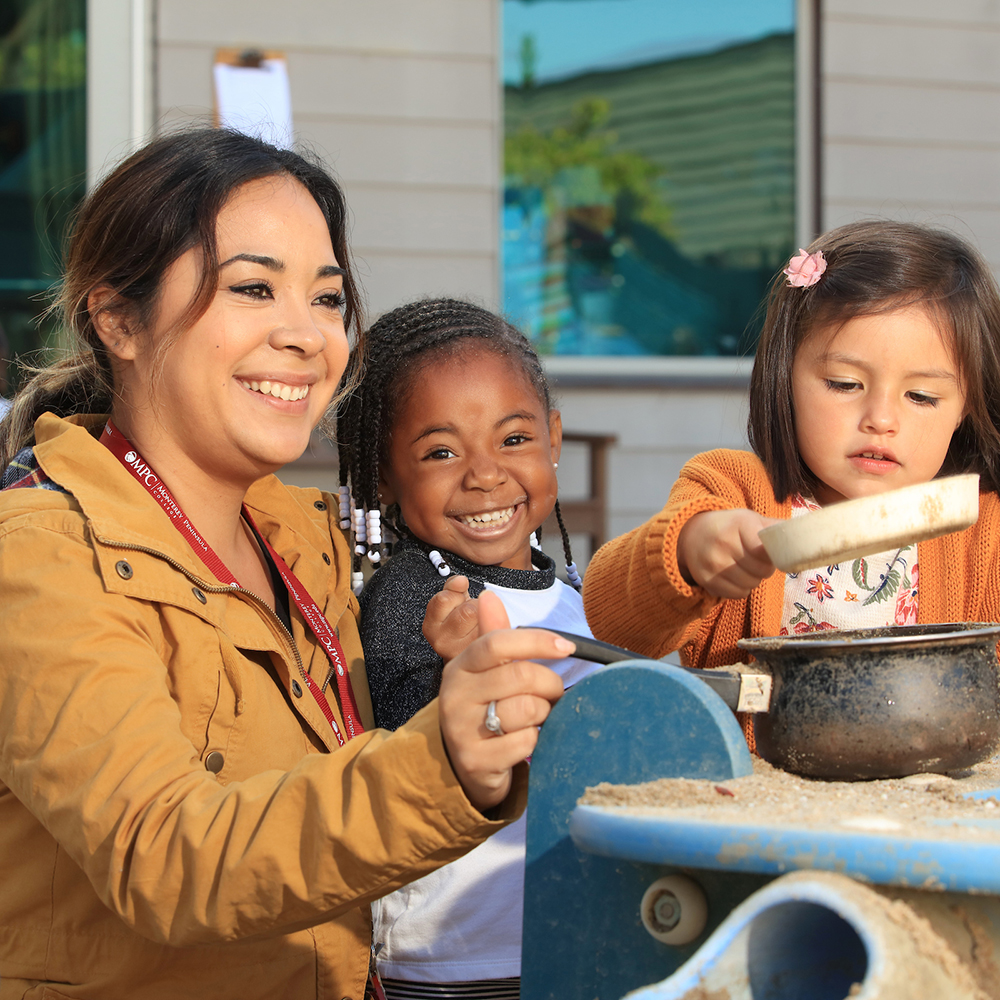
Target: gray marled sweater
404,672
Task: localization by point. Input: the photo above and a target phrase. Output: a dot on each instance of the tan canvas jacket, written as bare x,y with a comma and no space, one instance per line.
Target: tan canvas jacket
127,867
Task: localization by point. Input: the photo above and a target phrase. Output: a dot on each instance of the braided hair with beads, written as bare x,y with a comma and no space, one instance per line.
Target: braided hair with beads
396,347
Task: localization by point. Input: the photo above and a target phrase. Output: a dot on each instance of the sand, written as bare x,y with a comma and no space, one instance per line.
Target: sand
918,806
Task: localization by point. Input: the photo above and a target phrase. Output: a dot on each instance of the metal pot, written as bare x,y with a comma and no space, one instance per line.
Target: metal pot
865,703
880,703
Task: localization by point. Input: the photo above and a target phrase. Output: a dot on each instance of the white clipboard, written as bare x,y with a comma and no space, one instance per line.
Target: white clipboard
252,94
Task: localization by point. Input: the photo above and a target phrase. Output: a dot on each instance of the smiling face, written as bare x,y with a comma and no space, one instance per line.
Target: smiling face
876,402
237,393
470,458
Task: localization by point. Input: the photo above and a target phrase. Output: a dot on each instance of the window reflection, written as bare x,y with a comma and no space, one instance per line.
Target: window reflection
42,152
649,163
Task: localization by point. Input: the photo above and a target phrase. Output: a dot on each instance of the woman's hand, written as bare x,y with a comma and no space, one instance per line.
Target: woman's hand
451,621
497,667
721,551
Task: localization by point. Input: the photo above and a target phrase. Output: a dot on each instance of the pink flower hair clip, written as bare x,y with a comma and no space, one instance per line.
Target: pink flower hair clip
805,269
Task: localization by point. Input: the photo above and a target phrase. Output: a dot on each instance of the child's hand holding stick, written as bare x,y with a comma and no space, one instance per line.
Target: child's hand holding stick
497,667
721,551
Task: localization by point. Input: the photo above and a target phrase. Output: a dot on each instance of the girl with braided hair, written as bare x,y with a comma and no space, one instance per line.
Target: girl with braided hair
453,431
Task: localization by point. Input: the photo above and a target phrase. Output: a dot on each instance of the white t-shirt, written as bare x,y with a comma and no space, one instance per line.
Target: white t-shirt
463,921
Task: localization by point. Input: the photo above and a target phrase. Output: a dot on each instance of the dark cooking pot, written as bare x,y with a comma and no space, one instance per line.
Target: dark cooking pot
865,703
882,702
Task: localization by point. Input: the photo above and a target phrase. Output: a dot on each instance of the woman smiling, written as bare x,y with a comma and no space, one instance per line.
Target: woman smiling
193,801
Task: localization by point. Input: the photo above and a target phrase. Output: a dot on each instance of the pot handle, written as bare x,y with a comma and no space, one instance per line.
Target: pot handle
743,690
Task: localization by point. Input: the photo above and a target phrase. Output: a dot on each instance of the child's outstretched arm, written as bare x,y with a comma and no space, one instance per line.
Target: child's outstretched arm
636,593
721,551
451,620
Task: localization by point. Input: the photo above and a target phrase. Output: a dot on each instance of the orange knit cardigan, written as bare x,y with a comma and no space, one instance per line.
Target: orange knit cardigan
635,596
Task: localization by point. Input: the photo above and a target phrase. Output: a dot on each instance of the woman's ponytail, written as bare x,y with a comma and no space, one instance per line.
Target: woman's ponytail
76,384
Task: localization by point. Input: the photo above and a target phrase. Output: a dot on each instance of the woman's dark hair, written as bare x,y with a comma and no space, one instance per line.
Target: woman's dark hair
160,203
876,267
398,347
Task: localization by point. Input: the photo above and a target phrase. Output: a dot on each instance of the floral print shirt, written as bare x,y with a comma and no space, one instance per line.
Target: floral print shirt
870,592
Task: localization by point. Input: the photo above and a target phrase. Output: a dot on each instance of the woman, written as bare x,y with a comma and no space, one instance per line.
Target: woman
192,800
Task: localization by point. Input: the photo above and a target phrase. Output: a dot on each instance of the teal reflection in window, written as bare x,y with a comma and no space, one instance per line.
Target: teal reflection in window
42,152
649,162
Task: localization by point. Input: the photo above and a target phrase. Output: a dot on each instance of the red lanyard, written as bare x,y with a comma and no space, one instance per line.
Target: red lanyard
118,445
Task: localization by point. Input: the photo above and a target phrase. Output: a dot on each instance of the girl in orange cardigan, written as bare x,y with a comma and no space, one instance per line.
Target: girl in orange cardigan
878,367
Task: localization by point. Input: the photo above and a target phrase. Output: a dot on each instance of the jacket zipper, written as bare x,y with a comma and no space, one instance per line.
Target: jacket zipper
219,589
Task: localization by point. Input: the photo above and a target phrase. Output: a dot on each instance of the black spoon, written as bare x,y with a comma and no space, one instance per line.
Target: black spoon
742,692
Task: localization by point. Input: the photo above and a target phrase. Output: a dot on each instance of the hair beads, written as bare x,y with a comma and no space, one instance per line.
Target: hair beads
345,507
360,533
374,536
439,564
392,349
572,573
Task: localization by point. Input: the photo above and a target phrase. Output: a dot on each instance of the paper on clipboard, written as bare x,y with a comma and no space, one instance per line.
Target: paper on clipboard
252,96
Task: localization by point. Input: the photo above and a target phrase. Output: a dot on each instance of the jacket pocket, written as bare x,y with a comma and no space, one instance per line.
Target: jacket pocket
229,704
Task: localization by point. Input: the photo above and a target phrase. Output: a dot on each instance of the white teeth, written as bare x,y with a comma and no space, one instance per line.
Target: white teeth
279,390
488,517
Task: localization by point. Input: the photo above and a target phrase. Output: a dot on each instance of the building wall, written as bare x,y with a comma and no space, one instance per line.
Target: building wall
658,430
910,130
401,99
911,107
404,102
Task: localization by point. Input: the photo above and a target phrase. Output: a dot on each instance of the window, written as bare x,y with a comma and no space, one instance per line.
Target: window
649,162
42,155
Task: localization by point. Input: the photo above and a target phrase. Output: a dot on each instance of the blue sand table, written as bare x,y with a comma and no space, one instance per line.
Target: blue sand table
588,866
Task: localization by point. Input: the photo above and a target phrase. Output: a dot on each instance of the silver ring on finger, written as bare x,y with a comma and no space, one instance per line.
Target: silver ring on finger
492,722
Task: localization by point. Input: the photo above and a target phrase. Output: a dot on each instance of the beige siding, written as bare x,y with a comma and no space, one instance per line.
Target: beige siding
394,278
912,114
658,431
434,27
400,99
